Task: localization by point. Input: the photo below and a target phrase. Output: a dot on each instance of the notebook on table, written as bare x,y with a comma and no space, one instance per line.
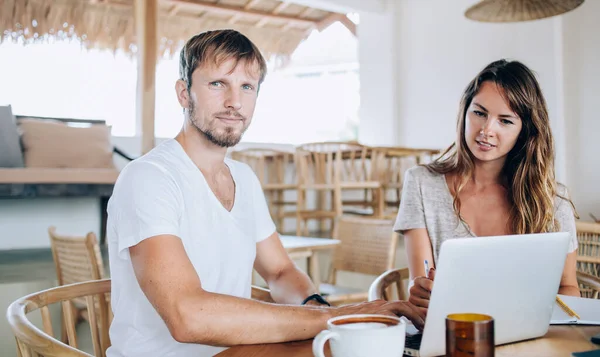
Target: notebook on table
587,309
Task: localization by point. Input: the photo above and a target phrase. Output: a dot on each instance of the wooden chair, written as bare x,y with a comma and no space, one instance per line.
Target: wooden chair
390,164
382,286
77,259
368,246
275,171
589,285
588,253
31,341
261,294
330,169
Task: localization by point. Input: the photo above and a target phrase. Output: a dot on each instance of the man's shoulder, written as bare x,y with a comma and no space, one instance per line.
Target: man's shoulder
160,161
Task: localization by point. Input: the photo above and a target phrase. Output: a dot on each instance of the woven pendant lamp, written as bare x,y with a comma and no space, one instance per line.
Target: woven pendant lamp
519,10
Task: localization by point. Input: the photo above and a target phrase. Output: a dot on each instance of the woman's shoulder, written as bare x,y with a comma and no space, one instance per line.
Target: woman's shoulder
422,173
562,199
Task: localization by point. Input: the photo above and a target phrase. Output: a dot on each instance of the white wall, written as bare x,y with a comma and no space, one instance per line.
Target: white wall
440,51
24,222
378,112
581,78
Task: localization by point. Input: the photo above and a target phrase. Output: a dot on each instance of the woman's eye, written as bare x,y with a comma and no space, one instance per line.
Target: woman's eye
506,121
216,84
479,113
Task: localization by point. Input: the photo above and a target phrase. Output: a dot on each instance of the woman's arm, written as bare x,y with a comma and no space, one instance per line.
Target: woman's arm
568,282
418,248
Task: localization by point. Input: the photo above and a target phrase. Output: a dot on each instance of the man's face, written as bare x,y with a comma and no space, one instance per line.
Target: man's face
221,100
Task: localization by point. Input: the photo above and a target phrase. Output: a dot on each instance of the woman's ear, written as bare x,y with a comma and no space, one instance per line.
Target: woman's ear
183,95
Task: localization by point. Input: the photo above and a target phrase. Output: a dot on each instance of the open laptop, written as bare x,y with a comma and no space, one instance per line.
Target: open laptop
514,279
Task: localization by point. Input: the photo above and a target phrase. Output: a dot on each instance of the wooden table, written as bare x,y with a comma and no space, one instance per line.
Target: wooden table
306,248
559,341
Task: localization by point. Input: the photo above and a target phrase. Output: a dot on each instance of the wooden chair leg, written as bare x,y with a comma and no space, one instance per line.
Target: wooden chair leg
299,207
380,201
63,329
280,211
321,203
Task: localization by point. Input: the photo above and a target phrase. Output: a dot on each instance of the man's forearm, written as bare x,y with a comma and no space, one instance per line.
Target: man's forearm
224,320
292,286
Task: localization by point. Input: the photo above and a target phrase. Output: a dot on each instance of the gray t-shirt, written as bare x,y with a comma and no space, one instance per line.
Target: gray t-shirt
426,202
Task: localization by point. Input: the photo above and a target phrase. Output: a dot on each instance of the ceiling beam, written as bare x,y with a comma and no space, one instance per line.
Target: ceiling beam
233,10
262,22
280,7
304,13
329,20
345,6
234,18
173,10
350,25
275,11
251,4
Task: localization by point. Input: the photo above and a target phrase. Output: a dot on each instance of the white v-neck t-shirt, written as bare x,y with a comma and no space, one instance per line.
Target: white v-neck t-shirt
163,192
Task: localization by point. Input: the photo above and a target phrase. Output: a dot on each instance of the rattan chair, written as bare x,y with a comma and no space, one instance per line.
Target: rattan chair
588,253
382,286
76,259
32,341
330,169
589,285
368,246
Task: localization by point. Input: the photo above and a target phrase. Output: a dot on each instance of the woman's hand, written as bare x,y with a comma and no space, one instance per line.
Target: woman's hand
420,292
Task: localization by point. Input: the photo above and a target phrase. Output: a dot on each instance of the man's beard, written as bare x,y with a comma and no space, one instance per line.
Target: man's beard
227,139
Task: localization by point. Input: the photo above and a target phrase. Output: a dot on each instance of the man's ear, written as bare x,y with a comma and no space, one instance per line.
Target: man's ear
183,96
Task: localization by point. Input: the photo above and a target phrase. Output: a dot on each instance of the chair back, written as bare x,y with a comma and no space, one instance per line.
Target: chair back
389,167
333,162
381,288
368,246
588,253
76,259
274,168
32,341
589,285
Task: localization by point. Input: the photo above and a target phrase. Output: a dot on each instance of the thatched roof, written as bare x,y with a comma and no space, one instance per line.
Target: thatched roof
276,27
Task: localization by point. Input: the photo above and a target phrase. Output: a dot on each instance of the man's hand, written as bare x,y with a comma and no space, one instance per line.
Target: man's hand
382,307
420,292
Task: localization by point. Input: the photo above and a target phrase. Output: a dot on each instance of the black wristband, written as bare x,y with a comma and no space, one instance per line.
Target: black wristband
318,298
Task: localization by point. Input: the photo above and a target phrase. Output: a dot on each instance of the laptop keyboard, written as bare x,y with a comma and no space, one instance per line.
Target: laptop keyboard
413,341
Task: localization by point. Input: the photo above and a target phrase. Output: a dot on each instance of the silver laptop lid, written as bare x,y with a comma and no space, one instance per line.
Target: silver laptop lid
514,279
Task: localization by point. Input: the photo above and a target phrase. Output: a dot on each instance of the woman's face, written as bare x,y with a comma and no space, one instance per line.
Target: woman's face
491,127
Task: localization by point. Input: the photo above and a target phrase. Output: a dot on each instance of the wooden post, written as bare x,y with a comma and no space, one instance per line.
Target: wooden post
146,23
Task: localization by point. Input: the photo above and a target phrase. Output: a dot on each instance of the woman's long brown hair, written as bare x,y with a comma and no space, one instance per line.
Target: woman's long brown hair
529,167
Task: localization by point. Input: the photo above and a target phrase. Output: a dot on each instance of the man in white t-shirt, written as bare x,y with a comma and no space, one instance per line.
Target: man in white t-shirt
186,226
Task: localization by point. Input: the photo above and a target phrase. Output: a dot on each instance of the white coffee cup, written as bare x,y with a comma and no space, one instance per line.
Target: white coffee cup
362,336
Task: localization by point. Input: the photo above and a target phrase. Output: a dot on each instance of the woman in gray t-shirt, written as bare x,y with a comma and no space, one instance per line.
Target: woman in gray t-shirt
496,179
